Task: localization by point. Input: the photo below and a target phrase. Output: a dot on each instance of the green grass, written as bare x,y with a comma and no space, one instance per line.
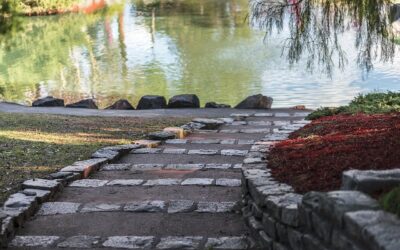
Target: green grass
390,202
372,103
36,145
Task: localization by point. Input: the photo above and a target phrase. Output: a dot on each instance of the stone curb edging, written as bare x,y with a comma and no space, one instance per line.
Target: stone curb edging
370,181
20,206
280,219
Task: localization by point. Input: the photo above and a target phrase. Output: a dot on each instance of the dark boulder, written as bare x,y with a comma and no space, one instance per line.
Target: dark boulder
121,105
152,102
214,105
48,102
85,104
256,102
184,101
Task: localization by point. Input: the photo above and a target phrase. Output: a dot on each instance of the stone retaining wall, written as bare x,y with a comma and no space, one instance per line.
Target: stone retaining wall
281,219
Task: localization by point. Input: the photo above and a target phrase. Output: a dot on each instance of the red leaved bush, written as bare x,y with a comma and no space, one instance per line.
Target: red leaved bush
314,157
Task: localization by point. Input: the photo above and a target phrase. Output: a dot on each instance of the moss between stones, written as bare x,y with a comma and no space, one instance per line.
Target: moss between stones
391,201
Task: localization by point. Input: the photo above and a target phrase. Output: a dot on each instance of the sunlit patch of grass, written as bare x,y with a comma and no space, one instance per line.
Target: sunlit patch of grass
33,146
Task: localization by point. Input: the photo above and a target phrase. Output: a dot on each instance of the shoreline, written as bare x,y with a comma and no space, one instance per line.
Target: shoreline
148,113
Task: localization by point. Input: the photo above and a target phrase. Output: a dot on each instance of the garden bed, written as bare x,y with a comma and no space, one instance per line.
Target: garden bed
314,157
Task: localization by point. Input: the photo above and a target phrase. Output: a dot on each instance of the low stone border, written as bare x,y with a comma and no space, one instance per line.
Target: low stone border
370,181
134,242
281,219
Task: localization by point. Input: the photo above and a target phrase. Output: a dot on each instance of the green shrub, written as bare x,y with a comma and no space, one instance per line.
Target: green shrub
372,103
390,202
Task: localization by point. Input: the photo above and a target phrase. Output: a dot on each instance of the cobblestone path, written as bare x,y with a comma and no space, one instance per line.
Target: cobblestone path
183,194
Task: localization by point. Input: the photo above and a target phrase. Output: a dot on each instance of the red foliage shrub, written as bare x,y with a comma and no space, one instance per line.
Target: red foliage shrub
314,157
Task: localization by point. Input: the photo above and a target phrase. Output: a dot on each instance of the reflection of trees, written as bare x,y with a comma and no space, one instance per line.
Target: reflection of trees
40,52
316,25
214,45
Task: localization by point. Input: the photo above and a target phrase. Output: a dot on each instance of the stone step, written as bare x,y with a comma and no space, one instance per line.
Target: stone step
245,145
110,194
96,183
179,159
126,168
230,142
148,206
178,171
224,136
122,223
183,151
130,242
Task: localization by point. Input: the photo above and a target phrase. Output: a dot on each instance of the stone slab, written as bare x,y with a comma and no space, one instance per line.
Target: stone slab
54,208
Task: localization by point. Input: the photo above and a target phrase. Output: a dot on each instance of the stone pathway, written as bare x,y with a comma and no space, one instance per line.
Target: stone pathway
183,194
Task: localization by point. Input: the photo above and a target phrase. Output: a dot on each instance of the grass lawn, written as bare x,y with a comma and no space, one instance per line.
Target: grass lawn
36,145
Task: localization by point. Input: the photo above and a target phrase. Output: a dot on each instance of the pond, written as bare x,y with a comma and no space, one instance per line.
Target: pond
204,47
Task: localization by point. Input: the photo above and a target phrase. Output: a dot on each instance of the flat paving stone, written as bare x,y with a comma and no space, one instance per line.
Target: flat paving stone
185,166
215,207
145,206
218,166
127,182
176,141
264,114
53,208
202,152
181,206
234,152
206,141
198,181
87,183
174,151
227,243
129,242
228,141
162,182
116,167
34,241
146,151
175,242
81,241
100,207
228,182
147,166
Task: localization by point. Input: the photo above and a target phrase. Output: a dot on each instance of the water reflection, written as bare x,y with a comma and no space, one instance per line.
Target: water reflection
168,47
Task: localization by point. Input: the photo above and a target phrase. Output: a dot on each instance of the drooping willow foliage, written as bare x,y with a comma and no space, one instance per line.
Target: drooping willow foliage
316,25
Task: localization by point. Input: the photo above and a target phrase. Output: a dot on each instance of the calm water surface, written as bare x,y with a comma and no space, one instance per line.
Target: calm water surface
192,46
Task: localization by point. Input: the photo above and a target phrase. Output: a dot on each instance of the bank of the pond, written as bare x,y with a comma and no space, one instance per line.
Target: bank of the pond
35,145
